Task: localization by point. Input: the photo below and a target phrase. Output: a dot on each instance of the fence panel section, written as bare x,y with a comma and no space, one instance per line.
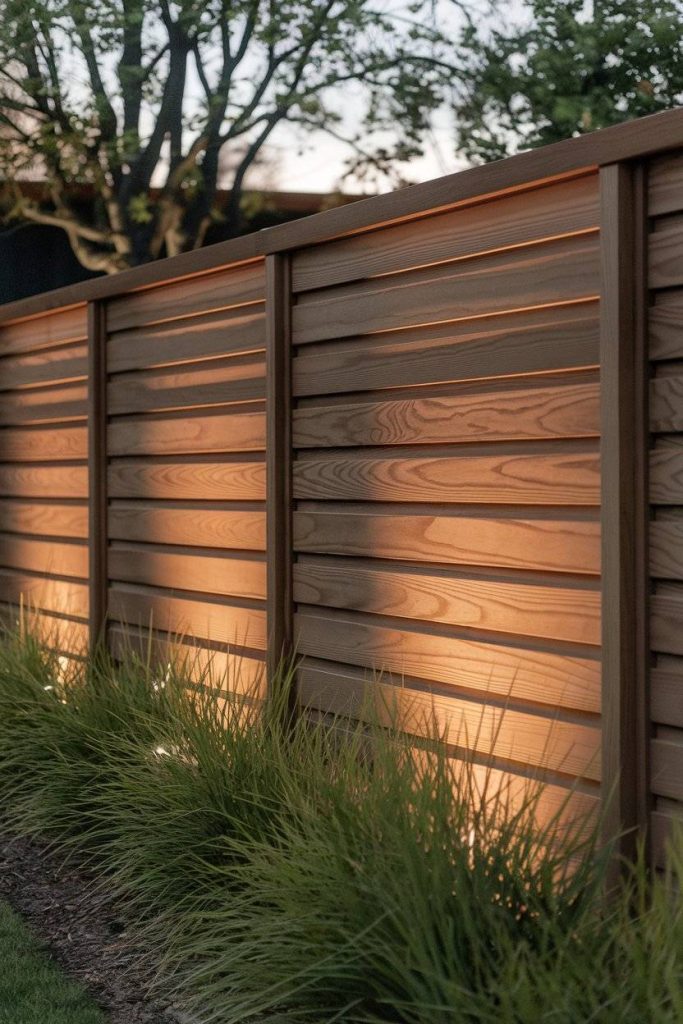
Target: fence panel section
186,465
666,492
446,476
43,472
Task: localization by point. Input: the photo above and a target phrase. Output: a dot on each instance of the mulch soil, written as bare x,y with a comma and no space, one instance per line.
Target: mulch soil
82,933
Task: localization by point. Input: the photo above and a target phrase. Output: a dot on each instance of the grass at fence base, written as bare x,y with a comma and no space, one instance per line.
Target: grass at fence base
273,868
32,989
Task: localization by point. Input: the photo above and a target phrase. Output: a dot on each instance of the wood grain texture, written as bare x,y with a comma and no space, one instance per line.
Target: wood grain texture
63,597
554,545
510,672
182,481
666,254
46,557
496,604
51,365
196,435
207,293
527,342
522,217
44,520
666,471
535,276
241,530
665,185
488,414
211,574
35,481
666,619
666,549
666,404
666,702
667,769
505,733
665,326
510,478
44,405
202,337
56,328
225,623
215,382
28,444
220,669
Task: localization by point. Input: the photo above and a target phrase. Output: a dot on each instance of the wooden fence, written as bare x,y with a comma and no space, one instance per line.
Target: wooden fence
434,440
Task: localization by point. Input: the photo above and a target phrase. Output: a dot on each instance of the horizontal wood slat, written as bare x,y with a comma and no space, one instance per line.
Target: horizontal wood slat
34,481
505,733
554,612
204,481
207,293
42,405
665,185
47,557
209,383
528,342
569,206
667,769
224,623
541,544
47,520
557,271
212,573
572,479
62,597
196,527
514,673
489,414
232,432
57,328
29,444
666,325
666,699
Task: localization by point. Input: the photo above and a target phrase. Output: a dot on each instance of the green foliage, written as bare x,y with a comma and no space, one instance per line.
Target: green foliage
568,68
32,989
149,107
276,866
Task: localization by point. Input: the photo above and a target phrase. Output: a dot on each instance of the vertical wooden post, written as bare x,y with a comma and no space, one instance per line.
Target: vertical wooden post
278,464
97,469
623,354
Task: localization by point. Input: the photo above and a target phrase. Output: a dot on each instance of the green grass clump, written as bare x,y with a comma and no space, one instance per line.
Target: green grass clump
32,989
272,867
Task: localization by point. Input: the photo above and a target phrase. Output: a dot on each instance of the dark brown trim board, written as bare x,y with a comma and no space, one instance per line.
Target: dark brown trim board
97,469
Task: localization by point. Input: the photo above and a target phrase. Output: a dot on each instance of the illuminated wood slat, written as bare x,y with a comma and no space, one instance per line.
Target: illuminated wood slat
235,672
535,276
54,329
207,383
27,444
58,596
511,220
239,530
511,478
224,623
667,769
507,733
212,574
172,300
49,557
523,412
544,544
44,520
33,481
518,673
66,402
554,612
665,185
538,341
232,432
202,337
50,365
183,481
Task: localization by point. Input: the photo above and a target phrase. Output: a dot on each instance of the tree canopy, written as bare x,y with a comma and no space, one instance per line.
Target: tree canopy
134,111
568,67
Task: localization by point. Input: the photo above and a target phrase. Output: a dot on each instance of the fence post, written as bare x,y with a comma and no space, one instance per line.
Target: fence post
624,423
97,469
279,603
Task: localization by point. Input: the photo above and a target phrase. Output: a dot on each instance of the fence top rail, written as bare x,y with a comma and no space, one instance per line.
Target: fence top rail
639,138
